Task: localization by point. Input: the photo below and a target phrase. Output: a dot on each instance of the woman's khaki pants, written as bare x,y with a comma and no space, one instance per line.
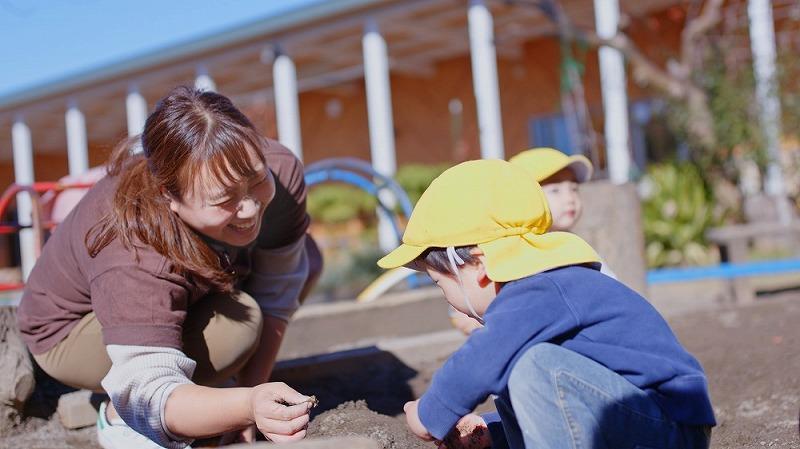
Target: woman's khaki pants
220,334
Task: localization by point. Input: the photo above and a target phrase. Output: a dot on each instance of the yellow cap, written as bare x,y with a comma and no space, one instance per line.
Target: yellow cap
543,163
492,204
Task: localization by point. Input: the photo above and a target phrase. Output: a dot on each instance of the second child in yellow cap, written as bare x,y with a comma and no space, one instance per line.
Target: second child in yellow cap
556,331
559,176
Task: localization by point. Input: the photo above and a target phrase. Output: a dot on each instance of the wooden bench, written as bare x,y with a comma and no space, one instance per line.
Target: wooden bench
734,242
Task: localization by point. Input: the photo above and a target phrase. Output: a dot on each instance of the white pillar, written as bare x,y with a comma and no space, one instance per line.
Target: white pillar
381,122
762,42
287,111
203,80
615,97
136,108
23,174
484,80
77,146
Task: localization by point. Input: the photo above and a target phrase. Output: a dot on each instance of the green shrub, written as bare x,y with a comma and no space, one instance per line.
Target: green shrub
339,203
415,178
349,271
334,203
678,209
350,262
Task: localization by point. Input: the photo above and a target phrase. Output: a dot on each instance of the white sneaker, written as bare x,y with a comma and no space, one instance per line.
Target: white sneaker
115,434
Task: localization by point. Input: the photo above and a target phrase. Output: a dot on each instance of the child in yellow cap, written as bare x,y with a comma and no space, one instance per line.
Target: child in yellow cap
573,356
559,176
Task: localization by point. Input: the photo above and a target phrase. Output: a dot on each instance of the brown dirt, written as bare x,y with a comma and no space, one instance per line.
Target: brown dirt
752,358
750,353
355,418
40,433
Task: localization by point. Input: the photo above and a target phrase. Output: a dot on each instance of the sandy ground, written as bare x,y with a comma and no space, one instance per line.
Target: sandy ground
751,354
355,418
752,358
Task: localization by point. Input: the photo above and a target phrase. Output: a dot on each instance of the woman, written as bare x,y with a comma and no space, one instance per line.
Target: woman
175,273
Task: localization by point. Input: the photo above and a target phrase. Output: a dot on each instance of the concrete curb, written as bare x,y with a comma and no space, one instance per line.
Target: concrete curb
406,349
324,328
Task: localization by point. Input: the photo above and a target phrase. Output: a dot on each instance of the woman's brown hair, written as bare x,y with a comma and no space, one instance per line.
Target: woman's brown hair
190,132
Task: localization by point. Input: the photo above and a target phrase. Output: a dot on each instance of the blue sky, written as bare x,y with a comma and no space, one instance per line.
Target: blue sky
46,40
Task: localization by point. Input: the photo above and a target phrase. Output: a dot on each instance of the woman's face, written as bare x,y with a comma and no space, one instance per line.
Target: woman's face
229,215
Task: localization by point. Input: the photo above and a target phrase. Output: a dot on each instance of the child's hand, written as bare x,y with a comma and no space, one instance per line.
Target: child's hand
470,432
464,323
414,424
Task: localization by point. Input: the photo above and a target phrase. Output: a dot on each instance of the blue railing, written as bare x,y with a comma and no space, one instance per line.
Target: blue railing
724,271
361,174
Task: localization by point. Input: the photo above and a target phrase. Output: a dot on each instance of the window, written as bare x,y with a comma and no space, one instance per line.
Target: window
550,131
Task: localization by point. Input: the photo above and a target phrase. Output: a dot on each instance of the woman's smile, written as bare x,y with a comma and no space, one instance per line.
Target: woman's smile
245,229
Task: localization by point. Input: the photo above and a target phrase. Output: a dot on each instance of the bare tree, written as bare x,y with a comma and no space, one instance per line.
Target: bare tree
674,80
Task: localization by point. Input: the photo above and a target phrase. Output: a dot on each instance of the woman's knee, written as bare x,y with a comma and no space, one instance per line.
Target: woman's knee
248,329
241,321
221,334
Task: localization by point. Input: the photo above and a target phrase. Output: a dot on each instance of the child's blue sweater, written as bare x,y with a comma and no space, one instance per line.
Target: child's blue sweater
583,311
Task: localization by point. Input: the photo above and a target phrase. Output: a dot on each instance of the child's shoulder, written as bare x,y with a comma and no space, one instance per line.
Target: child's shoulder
561,279
579,281
580,274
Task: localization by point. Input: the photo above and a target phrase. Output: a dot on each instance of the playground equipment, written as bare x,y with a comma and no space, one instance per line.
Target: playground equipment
360,174
40,223
350,171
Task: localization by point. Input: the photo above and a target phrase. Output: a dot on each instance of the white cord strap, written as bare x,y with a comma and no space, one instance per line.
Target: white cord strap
455,261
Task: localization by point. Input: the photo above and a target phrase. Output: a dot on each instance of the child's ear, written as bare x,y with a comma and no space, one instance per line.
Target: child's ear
483,277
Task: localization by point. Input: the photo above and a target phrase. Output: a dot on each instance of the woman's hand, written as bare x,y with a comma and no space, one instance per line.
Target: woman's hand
412,419
280,412
470,432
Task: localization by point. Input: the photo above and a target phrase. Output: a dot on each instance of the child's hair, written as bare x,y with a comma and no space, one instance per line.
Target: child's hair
436,258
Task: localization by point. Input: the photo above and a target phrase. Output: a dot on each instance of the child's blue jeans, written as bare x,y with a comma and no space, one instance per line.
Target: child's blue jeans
561,399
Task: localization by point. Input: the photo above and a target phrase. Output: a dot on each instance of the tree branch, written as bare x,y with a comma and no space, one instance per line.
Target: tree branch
675,80
697,28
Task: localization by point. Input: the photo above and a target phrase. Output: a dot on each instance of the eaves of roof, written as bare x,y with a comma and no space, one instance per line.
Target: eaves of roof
242,33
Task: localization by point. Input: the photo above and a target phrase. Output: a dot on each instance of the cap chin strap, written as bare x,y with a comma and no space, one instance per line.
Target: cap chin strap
455,261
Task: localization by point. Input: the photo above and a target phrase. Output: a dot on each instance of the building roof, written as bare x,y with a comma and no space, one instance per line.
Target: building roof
323,39
212,43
